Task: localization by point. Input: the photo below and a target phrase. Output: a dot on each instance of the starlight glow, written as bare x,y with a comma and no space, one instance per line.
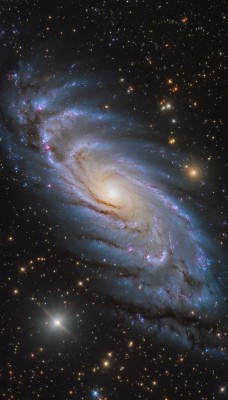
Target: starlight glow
57,322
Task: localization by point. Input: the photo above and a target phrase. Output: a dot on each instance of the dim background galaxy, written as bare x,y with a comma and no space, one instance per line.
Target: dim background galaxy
113,198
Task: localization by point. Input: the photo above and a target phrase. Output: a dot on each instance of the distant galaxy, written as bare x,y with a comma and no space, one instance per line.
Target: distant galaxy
122,198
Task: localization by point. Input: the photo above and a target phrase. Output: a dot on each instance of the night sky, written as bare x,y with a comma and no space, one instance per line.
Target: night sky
113,199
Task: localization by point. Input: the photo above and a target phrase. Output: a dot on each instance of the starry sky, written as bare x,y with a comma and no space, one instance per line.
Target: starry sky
113,176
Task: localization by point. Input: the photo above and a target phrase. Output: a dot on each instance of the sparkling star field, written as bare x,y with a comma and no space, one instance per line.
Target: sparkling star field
113,176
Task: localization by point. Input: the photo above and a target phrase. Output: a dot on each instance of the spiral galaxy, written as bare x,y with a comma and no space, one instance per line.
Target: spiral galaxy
122,199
